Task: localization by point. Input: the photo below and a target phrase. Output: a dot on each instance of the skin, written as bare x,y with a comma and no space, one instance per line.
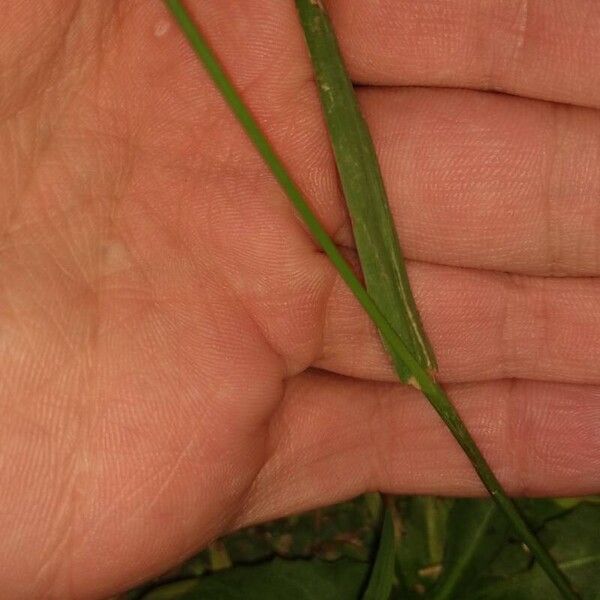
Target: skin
178,360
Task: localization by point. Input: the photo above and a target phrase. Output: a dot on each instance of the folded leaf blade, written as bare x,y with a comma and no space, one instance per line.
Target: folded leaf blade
375,235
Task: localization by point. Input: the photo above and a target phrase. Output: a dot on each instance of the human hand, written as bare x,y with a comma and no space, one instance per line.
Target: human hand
177,358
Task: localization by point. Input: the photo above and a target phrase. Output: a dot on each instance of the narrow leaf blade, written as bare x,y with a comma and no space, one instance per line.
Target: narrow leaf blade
358,168
382,577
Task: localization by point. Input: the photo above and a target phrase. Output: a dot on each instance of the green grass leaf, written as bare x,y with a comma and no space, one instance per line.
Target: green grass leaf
382,576
297,580
364,190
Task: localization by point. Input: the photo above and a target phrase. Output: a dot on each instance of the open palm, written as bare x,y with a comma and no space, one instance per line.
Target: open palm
177,358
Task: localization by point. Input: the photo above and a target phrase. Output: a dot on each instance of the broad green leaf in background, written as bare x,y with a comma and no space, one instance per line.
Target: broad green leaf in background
574,541
294,580
475,534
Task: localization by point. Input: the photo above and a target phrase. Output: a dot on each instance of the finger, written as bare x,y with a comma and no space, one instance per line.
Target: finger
482,325
475,179
535,48
334,438
489,181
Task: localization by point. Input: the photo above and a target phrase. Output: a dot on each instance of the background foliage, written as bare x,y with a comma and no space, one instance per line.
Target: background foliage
448,548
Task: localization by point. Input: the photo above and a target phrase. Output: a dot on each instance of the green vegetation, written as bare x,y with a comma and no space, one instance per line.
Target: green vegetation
448,548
